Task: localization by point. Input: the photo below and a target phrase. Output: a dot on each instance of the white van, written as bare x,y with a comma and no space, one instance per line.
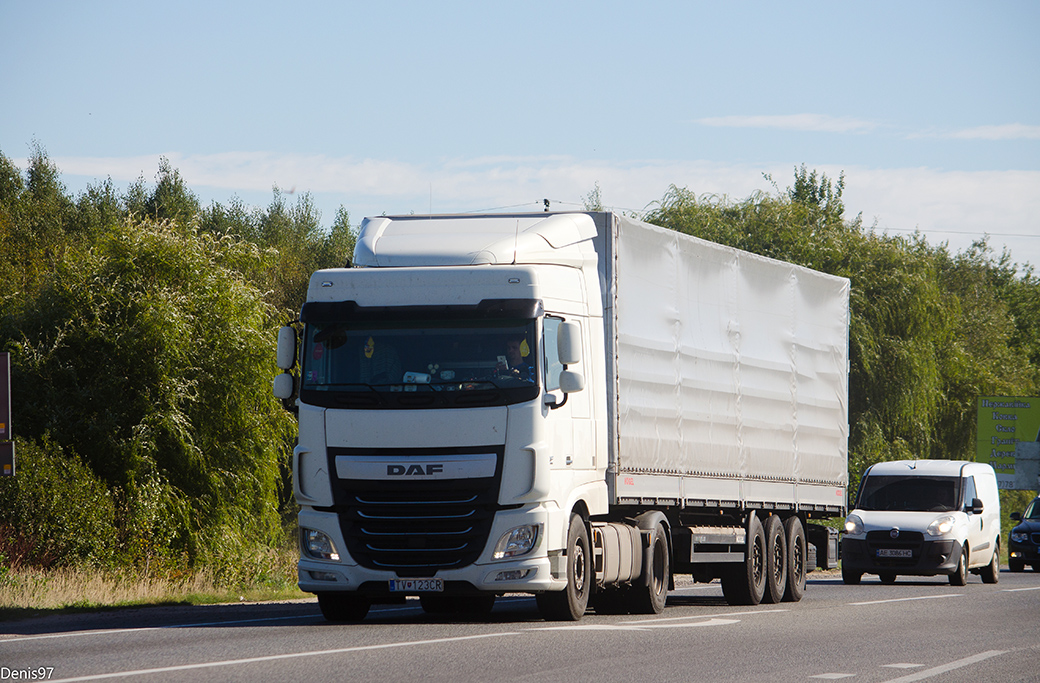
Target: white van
924,518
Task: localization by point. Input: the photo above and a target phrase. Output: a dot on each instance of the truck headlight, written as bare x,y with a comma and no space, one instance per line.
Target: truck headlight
1019,536
853,525
941,526
318,545
516,542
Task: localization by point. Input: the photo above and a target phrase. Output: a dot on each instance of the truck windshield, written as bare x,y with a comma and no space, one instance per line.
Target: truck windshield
913,494
419,364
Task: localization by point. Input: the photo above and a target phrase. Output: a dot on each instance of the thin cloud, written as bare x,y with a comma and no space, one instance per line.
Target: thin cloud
814,123
1008,131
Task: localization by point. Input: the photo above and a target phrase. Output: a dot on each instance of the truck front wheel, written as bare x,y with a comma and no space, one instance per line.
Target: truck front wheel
342,607
570,603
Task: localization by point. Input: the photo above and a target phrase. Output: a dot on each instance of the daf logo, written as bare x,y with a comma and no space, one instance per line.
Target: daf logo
894,533
414,470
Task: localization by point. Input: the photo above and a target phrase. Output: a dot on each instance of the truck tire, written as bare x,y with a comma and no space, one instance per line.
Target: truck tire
796,559
570,603
745,583
960,577
342,607
776,560
991,572
648,596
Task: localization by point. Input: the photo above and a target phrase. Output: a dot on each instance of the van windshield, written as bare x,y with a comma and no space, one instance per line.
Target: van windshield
912,494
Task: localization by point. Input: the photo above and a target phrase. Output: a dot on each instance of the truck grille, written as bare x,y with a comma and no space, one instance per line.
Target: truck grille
415,528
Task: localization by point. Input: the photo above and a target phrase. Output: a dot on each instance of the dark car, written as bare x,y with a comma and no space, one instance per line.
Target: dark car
1024,542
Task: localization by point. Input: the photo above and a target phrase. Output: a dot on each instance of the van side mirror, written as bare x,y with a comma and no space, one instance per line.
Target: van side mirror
568,343
975,508
286,354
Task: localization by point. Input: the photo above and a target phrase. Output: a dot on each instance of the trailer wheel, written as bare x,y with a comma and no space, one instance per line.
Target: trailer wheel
796,559
745,583
960,577
342,607
649,595
991,572
570,603
776,560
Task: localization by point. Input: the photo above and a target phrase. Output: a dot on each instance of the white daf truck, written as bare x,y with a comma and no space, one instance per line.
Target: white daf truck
574,405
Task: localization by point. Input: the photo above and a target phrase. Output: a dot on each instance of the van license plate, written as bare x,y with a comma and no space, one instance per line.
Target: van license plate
416,585
895,552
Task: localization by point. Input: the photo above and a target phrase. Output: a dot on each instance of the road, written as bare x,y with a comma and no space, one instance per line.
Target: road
914,630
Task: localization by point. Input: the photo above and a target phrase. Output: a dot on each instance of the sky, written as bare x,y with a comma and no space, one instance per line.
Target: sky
930,109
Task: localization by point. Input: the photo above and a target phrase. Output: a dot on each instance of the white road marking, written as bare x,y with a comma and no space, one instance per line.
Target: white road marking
945,668
921,597
901,666
273,658
636,626
706,616
1017,590
832,677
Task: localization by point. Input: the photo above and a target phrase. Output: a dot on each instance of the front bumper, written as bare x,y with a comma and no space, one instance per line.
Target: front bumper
531,573
928,558
1025,553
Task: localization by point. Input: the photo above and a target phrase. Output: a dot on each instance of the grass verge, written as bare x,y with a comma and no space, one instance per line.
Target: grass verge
27,592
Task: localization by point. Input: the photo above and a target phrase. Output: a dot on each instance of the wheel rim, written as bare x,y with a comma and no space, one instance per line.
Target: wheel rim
757,561
660,558
579,567
778,555
798,560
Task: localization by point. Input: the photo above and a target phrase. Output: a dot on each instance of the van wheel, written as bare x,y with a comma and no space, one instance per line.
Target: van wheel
991,572
745,583
570,603
649,595
960,577
776,560
796,559
849,577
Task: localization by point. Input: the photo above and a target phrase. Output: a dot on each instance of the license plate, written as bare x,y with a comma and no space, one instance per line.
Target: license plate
895,552
416,585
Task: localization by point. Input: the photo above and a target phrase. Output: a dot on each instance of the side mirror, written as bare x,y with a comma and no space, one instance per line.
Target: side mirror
976,506
568,343
283,386
571,381
286,355
1015,516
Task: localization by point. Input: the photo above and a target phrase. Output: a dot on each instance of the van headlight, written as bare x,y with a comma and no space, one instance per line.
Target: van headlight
853,525
941,526
516,542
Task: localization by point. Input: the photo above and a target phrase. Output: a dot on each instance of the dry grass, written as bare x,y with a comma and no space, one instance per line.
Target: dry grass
28,591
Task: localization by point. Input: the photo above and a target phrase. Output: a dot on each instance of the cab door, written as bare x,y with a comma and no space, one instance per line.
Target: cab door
570,421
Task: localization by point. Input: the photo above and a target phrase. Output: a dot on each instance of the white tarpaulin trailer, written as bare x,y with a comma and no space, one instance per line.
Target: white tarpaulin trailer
730,373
